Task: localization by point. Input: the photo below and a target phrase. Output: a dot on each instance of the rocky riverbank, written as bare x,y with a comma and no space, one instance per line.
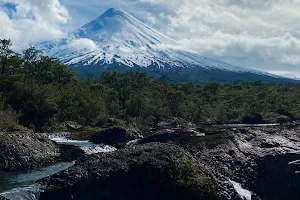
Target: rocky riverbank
175,162
172,163
149,171
256,157
23,150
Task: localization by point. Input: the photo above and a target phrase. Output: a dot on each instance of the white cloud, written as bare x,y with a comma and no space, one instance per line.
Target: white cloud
83,43
32,21
261,34
266,29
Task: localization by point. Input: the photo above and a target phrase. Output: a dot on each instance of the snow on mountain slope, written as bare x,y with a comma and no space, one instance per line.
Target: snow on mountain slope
118,37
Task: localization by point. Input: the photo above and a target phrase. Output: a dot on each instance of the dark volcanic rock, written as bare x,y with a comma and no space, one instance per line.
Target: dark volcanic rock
175,123
256,157
283,119
184,166
73,125
285,113
253,118
25,150
209,130
150,171
116,136
161,137
276,179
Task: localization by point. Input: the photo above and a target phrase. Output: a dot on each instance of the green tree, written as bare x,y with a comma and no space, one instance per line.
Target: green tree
5,54
30,57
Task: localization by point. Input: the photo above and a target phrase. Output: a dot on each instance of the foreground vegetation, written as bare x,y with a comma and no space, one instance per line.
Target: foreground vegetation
39,91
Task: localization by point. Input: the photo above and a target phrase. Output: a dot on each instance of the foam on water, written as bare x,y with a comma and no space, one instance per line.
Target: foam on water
241,191
88,147
27,193
22,181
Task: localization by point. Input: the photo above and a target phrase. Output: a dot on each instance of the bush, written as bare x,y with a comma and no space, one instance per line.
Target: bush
8,119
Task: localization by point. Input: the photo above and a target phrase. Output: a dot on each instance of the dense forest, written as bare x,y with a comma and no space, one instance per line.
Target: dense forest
38,91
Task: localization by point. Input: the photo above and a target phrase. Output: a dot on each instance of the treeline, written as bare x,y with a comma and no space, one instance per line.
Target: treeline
40,91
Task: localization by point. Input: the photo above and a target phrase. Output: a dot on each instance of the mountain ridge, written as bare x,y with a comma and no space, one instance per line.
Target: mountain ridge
116,38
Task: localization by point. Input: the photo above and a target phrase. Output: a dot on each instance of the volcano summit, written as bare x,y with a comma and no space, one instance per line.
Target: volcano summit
118,41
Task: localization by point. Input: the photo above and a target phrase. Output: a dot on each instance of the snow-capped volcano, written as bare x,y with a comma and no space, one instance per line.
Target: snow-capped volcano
116,27
118,39
115,36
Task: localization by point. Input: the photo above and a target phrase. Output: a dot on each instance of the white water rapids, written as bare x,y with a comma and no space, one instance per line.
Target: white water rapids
27,193
244,194
88,147
23,182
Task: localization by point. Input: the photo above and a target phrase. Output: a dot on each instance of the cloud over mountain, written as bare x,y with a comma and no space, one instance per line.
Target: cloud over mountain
30,21
262,34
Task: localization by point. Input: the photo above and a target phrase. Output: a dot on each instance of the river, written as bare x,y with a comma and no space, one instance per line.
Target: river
21,185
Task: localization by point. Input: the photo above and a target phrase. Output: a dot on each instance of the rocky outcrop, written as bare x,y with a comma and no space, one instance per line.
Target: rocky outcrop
26,150
283,112
284,119
172,164
253,118
174,122
151,171
72,125
161,137
256,157
277,179
116,136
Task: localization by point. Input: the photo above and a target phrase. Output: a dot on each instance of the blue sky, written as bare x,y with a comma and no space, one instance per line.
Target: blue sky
258,34
83,11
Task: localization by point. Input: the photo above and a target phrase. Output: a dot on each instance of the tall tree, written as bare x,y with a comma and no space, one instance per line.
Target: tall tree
30,57
5,54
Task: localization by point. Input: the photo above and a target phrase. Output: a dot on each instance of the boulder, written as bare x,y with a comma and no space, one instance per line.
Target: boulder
163,125
116,136
285,113
283,119
210,130
107,122
151,171
160,137
73,125
181,123
167,135
253,118
26,150
175,123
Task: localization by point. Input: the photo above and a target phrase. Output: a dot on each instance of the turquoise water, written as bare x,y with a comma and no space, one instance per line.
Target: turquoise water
21,185
13,180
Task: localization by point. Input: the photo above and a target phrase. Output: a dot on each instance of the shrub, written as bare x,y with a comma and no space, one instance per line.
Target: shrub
8,119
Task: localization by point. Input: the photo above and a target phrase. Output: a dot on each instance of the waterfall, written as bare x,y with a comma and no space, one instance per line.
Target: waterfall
244,194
